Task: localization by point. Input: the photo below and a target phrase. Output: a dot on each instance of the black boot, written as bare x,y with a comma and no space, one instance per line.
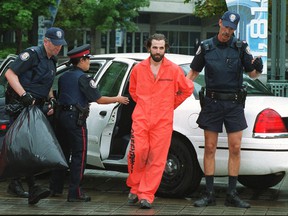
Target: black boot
15,188
233,199
207,199
82,198
36,193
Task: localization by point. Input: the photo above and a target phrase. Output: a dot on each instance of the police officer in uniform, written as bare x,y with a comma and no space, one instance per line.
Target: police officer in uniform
224,58
30,78
76,90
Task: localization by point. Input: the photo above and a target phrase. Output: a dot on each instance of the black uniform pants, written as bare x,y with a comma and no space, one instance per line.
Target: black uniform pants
73,140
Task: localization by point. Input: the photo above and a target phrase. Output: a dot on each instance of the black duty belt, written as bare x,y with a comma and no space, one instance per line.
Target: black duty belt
68,108
221,95
40,101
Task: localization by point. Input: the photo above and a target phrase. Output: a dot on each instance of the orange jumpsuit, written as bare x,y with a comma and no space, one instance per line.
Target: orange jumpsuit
152,124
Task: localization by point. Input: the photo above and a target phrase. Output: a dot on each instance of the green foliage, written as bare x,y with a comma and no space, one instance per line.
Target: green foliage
101,15
208,8
5,52
20,14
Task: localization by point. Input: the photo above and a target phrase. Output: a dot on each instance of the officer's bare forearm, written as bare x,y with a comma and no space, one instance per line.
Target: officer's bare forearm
13,81
192,75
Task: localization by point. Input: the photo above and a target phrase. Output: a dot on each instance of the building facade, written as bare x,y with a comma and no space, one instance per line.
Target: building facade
170,17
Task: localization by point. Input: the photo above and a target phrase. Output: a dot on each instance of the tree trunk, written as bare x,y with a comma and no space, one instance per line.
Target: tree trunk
19,41
33,33
95,42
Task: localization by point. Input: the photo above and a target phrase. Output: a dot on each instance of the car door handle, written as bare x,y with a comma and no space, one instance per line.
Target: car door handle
103,113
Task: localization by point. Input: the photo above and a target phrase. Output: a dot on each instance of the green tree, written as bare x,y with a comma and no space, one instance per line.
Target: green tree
98,16
208,8
22,17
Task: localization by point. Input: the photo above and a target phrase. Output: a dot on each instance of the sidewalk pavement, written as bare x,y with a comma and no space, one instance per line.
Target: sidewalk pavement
109,197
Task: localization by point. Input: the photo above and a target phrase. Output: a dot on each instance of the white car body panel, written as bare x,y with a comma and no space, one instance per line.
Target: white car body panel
261,154
100,127
185,123
255,151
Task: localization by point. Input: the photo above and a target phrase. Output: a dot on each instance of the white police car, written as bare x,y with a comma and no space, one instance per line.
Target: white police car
264,155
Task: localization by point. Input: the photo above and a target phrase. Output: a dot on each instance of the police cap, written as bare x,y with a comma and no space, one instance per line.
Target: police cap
230,19
56,36
81,51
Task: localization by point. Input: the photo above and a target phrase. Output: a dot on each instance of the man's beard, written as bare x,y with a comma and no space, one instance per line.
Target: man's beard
156,57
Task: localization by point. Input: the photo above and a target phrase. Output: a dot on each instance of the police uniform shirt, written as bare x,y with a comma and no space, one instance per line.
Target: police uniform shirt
88,87
198,61
31,72
83,93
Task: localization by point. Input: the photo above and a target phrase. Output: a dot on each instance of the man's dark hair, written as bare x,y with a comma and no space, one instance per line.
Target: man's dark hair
157,36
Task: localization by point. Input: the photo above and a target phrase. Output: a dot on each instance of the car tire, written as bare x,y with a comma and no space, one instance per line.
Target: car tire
182,174
261,181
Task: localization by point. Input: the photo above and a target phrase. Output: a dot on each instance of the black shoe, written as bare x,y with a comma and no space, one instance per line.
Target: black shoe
234,200
36,193
15,188
144,204
82,198
132,198
55,194
208,199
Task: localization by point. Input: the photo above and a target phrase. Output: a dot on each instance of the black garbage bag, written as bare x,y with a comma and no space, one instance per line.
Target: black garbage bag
30,146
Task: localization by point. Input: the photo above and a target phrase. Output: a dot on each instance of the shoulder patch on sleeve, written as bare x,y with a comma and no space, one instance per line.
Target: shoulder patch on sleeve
92,83
198,50
24,56
248,51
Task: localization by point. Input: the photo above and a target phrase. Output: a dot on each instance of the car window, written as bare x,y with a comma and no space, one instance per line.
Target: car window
3,83
254,87
110,82
3,80
186,68
94,68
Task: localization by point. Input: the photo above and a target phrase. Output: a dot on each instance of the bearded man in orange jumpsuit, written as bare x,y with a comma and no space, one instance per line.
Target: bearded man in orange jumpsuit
158,86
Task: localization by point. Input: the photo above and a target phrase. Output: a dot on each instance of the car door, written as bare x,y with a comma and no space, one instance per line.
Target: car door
4,118
102,118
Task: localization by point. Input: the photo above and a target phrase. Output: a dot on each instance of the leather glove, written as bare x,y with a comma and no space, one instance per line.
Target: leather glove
258,64
27,99
52,103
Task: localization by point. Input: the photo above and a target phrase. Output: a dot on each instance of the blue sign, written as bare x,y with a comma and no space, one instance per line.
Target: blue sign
253,25
46,22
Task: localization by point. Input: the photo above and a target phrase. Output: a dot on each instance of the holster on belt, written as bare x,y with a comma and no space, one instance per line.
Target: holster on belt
202,96
242,94
82,114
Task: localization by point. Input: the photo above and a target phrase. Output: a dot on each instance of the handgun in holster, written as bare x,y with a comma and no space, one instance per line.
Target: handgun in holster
83,114
242,94
202,96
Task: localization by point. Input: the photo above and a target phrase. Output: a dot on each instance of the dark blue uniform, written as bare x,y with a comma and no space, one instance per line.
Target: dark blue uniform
75,88
36,72
224,64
